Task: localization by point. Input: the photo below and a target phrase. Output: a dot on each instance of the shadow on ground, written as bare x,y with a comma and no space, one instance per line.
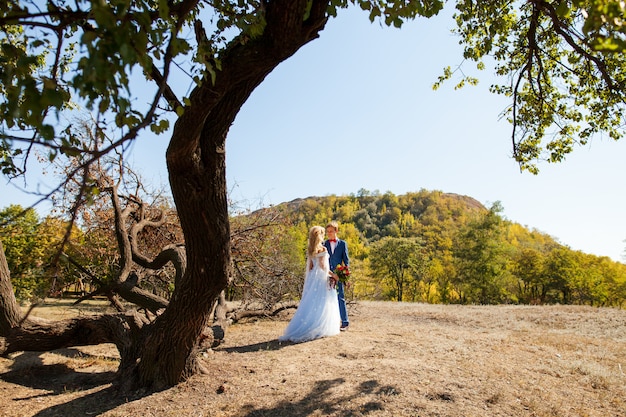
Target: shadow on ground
28,370
256,347
321,401
95,403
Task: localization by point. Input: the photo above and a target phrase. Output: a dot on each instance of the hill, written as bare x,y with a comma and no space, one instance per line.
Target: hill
461,251
470,202
398,359
376,215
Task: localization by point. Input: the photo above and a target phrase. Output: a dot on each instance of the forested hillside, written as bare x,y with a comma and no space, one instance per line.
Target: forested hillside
436,247
425,246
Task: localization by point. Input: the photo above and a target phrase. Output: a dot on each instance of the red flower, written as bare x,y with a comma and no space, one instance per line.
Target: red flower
343,272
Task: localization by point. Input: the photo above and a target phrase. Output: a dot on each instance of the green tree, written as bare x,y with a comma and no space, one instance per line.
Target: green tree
397,262
481,254
604,24
562,269
268,259
66,53
52,232
33,252
528,267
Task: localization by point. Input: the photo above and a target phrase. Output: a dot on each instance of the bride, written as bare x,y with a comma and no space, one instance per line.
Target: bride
318,313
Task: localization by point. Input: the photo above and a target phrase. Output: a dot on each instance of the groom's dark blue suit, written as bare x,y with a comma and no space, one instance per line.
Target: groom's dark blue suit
338,257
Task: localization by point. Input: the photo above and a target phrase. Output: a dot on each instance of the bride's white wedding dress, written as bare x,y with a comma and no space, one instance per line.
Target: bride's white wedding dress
318,313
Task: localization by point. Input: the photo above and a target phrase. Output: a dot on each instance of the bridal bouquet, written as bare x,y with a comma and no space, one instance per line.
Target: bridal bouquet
343,272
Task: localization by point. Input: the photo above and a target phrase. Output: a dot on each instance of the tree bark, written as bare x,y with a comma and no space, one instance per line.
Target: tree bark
10,313
41,335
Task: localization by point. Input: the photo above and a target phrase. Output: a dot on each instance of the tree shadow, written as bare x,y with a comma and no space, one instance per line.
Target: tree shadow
29,370
95,403
255,347
320,401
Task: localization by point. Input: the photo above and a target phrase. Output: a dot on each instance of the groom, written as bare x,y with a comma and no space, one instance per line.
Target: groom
338,250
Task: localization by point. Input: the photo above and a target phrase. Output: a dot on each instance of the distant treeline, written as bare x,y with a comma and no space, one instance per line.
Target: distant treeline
436,247
426,246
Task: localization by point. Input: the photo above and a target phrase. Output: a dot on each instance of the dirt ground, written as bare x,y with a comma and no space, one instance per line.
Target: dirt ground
397,359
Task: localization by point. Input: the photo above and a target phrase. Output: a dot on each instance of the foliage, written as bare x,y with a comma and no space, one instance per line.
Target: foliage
466,253
493,260
54,235
565,84
481,258
23,252
32,249
604,23
268,259
58,56
397,262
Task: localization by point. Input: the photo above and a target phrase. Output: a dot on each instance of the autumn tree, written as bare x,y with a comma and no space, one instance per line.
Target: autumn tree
268,260
24,251
614,277
62,55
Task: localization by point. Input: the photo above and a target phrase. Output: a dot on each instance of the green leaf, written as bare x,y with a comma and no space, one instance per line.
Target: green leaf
47,132
160,127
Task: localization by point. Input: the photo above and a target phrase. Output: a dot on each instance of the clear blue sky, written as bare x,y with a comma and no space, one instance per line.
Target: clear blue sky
355,109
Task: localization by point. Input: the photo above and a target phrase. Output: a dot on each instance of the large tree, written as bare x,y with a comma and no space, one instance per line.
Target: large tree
56,56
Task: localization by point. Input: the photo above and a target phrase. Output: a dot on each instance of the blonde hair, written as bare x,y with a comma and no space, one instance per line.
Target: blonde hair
316,237
334,225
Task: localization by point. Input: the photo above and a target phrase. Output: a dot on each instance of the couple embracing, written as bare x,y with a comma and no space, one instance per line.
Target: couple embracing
322,310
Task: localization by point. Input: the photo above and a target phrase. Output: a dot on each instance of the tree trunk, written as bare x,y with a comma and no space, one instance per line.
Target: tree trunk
197,172
10,313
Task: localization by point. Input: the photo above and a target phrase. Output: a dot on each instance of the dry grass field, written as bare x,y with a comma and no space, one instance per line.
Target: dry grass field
397,359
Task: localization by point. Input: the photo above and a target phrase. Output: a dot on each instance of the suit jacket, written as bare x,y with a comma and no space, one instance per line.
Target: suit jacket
339,256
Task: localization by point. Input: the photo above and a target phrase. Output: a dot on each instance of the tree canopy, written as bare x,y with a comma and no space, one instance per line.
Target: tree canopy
563,70
561,74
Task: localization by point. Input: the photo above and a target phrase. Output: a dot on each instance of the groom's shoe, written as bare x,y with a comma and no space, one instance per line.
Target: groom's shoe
343,328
